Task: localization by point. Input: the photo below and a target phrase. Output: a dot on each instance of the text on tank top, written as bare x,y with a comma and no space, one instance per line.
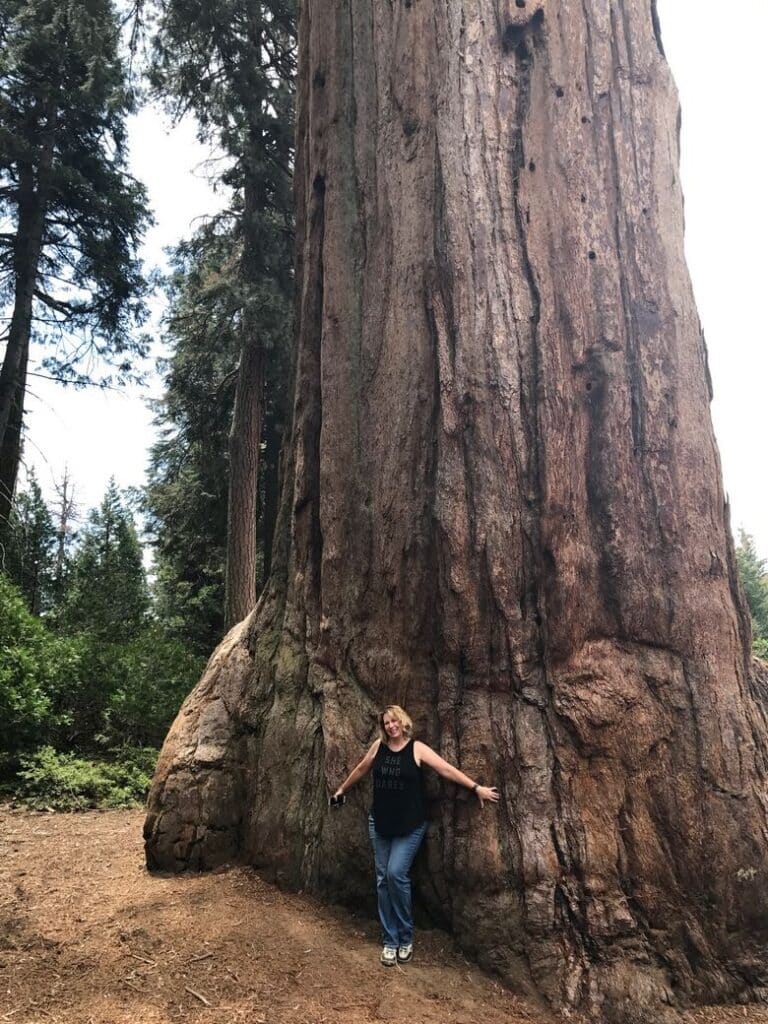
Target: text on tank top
398,793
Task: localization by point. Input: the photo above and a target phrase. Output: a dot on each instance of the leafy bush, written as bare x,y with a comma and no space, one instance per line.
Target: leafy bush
82,692
66,782
36,670
151,677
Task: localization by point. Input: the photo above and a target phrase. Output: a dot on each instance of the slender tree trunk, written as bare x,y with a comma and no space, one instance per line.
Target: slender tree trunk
32,200
503,509
66,511
66,515
14,362
245,434
241,579
11,446
244,453
13,374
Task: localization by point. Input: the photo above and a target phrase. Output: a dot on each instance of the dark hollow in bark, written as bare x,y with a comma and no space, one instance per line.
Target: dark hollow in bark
503,509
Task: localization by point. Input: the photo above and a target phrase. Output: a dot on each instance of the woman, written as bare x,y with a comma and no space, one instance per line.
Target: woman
397,822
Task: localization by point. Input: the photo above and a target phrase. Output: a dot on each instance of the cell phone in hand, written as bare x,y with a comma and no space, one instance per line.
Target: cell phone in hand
338,801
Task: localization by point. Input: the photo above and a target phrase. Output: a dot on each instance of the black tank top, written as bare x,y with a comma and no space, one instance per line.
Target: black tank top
398,794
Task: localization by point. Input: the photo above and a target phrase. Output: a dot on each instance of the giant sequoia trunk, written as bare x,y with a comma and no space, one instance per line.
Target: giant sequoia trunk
502,508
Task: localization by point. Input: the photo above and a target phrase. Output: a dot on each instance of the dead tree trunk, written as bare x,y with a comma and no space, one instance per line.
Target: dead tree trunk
503,509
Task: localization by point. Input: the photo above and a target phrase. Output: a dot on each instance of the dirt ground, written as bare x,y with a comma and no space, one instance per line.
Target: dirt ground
87,936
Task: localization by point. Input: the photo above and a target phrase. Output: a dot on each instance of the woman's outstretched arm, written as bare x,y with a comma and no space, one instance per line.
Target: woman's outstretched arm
360,770
425,755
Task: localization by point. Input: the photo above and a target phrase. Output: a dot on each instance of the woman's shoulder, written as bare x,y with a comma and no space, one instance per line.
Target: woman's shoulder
425,755
419,750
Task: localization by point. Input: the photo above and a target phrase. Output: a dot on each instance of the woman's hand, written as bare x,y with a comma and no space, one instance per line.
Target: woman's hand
339,792
487,793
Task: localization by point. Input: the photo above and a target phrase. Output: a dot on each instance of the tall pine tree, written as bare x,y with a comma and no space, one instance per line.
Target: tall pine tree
754,579
29,552
107,593
75,216
233,63
188,473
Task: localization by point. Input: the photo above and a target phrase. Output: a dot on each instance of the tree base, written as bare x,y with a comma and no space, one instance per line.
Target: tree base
244,777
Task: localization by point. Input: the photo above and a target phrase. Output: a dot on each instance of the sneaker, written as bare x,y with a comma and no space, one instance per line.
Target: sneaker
389,956
405,953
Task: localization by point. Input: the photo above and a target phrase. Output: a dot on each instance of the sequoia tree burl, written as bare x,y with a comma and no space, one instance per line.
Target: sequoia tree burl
503,509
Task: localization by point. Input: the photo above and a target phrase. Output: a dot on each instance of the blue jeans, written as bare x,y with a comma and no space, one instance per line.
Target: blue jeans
393,857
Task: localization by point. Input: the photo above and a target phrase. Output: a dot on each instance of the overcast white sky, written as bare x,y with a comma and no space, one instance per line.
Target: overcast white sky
722,91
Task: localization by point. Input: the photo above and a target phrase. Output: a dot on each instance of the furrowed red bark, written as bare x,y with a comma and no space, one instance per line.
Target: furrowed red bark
502,509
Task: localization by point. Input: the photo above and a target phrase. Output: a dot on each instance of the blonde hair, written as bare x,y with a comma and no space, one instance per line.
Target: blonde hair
406,724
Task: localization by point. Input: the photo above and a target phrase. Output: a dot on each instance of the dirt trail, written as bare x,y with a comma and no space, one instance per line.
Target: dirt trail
87,936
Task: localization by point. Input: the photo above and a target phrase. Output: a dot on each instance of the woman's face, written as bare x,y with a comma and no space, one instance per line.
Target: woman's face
392,727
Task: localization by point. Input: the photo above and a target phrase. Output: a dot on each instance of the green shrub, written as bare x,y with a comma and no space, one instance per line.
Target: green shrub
151,676
36,670
65,782
84,693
